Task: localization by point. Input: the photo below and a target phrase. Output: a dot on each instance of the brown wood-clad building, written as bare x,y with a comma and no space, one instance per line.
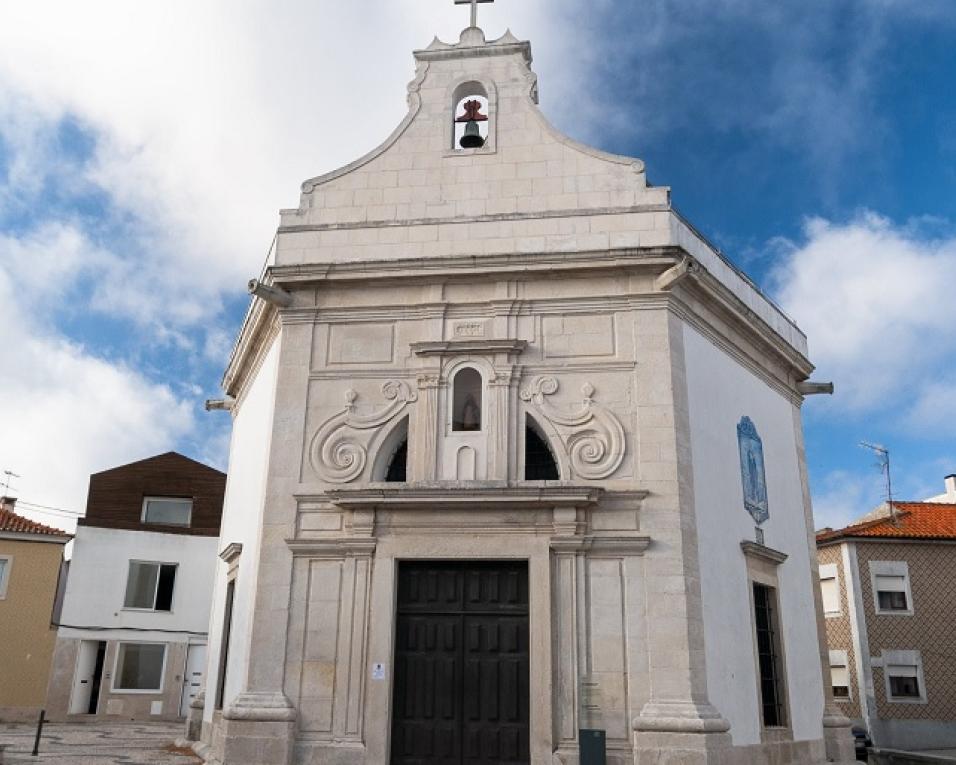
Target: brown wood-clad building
117,496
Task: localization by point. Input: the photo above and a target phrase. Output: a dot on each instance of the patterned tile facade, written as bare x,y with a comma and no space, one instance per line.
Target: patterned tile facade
840,633
932,570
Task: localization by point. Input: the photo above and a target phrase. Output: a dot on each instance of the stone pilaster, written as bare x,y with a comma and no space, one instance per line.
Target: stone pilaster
259,724
501,390
423,432
678,717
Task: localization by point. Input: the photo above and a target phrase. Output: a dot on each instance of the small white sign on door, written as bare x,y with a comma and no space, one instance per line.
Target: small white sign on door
378,671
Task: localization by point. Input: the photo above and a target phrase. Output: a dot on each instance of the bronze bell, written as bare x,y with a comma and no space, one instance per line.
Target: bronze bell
472,138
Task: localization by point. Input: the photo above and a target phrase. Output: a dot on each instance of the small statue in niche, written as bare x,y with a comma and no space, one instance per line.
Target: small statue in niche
470,414
467,400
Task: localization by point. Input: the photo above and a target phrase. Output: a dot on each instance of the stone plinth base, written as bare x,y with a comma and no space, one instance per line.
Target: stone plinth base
257,728
680,733
660,748
716,749
838,739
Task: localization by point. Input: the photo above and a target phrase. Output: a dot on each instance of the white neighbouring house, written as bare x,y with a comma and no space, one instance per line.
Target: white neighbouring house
516,454
131,637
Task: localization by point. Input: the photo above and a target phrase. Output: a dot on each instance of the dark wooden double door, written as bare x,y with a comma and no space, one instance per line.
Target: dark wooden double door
461,664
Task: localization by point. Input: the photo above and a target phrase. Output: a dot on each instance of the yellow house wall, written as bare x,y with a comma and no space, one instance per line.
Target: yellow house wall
26,636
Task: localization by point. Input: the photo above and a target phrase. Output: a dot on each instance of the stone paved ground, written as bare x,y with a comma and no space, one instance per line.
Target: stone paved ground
96,743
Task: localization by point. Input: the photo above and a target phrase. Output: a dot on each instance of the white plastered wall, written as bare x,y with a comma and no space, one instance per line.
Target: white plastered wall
242,523
720,392
96,587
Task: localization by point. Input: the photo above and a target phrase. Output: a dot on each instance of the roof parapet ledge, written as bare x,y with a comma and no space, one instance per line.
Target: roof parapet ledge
473,43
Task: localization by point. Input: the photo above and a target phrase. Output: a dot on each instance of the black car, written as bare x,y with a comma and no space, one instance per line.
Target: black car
862,742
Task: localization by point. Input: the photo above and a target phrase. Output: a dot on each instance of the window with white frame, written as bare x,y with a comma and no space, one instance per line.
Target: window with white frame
830,589
891,587
167,511
903,673
6,564
139,667
150,585
839,675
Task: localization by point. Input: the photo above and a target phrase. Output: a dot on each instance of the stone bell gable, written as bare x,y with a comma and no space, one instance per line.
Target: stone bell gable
487,412
421,175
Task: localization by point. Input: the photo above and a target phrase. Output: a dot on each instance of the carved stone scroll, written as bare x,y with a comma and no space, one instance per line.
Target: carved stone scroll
339,450
592,436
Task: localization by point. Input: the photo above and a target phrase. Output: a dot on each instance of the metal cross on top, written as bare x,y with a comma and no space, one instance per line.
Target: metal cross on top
474,8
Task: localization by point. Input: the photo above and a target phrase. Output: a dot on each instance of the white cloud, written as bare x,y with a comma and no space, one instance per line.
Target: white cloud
877,303
67,413
207,117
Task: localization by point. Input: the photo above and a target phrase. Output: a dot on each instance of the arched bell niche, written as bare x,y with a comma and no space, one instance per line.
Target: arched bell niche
472,116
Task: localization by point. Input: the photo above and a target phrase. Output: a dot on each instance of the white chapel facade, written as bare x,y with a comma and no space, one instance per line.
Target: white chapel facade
515,453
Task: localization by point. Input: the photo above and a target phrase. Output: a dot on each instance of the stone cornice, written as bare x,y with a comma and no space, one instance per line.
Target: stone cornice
231,551
745,317
258,330
298,275
342,547
473,45
588,212
700,285
476,346
595,545
473,495
762,552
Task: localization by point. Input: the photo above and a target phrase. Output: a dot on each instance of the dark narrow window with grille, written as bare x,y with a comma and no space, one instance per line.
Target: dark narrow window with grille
768,655
224,645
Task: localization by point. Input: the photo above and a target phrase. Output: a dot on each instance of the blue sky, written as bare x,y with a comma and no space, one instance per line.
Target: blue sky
144,153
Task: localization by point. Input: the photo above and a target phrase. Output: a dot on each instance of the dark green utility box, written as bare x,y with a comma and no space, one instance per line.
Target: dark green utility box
593,747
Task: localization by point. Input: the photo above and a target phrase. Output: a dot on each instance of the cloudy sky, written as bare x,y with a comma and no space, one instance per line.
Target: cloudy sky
145,150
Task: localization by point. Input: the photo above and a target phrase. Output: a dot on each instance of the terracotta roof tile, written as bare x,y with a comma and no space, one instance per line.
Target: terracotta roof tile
17,524
914,520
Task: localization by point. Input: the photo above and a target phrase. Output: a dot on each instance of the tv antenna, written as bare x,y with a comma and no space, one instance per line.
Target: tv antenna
883,463
9,475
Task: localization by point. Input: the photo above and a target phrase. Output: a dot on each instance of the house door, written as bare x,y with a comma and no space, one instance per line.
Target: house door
86,679
461,692
192,677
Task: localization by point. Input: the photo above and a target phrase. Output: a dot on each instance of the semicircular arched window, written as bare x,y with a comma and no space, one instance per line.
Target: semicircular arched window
466,400
398,464
539,462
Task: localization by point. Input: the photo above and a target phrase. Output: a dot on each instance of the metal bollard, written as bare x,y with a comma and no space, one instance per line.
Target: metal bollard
36,741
